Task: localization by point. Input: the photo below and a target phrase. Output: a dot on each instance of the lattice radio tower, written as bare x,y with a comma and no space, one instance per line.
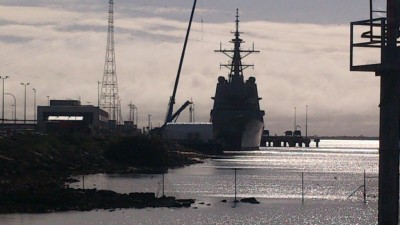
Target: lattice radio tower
109,98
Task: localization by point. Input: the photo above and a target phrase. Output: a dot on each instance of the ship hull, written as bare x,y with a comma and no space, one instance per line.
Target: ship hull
238,133
251,136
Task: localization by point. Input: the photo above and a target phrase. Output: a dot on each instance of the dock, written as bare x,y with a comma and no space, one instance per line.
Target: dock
283,141
289,140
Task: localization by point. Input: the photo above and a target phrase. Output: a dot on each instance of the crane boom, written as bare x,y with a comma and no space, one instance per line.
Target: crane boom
171,103
178,112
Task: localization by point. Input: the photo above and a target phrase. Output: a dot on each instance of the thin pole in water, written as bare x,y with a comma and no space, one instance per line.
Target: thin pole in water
235,186
163,175
365,189
83,182
302,188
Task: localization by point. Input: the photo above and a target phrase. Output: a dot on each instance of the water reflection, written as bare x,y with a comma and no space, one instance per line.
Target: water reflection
329,175
273,176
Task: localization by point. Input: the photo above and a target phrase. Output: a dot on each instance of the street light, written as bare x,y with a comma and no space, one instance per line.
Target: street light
15,106
2,110
48,100
34,104
25,84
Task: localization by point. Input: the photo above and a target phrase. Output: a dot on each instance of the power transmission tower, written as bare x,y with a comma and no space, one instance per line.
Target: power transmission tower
109,98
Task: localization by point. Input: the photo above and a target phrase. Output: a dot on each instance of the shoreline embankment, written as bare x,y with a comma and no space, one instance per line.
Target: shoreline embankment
35,168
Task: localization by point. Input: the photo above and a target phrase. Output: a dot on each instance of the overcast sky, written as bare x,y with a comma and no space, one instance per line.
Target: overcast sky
59,47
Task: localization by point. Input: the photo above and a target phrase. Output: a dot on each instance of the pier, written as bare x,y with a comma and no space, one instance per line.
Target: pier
289,140
283,141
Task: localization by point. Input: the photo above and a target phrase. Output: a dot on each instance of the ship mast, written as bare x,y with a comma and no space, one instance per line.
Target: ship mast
236,67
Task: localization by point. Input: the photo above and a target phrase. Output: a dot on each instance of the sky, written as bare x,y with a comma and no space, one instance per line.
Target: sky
59,47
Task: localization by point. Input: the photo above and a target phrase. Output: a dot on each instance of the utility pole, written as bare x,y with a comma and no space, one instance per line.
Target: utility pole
25,84
306,119
295,123
34,104
389,71
149,125
98,94
119,116
132,108
2,109
191,112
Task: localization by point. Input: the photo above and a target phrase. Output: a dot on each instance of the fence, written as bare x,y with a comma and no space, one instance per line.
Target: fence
259,183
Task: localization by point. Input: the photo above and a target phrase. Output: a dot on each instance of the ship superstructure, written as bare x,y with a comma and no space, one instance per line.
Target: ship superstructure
236,116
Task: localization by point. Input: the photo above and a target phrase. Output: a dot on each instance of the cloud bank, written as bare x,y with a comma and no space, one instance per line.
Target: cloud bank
61,53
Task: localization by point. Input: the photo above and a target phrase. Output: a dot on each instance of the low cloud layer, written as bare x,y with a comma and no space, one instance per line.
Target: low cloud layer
61,53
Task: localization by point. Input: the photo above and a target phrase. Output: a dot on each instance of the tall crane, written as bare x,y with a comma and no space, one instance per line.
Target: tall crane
170,116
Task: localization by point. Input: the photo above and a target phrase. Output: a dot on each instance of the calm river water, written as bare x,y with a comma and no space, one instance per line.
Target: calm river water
331,174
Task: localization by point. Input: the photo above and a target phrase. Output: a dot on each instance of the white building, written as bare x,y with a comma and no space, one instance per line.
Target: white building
202,132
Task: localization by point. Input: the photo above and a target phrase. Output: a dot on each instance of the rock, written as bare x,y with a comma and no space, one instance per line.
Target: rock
251,200
191,201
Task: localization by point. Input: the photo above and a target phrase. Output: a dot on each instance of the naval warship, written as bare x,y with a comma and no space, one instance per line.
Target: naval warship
236,116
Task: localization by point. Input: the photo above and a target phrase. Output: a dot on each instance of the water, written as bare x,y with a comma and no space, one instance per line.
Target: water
273,176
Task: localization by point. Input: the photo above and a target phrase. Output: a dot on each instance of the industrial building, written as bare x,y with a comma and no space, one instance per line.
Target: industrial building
198,132
69,116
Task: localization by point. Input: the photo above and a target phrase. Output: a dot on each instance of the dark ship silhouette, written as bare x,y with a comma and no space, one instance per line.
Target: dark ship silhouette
236,116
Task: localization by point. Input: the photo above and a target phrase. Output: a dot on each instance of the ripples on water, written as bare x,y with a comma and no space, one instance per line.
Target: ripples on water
272,175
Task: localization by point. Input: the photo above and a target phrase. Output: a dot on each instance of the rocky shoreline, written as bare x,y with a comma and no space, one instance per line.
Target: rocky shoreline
55,200
34,170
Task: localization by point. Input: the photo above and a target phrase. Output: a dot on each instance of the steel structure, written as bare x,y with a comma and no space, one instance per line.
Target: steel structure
109,97
383,33
132,109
